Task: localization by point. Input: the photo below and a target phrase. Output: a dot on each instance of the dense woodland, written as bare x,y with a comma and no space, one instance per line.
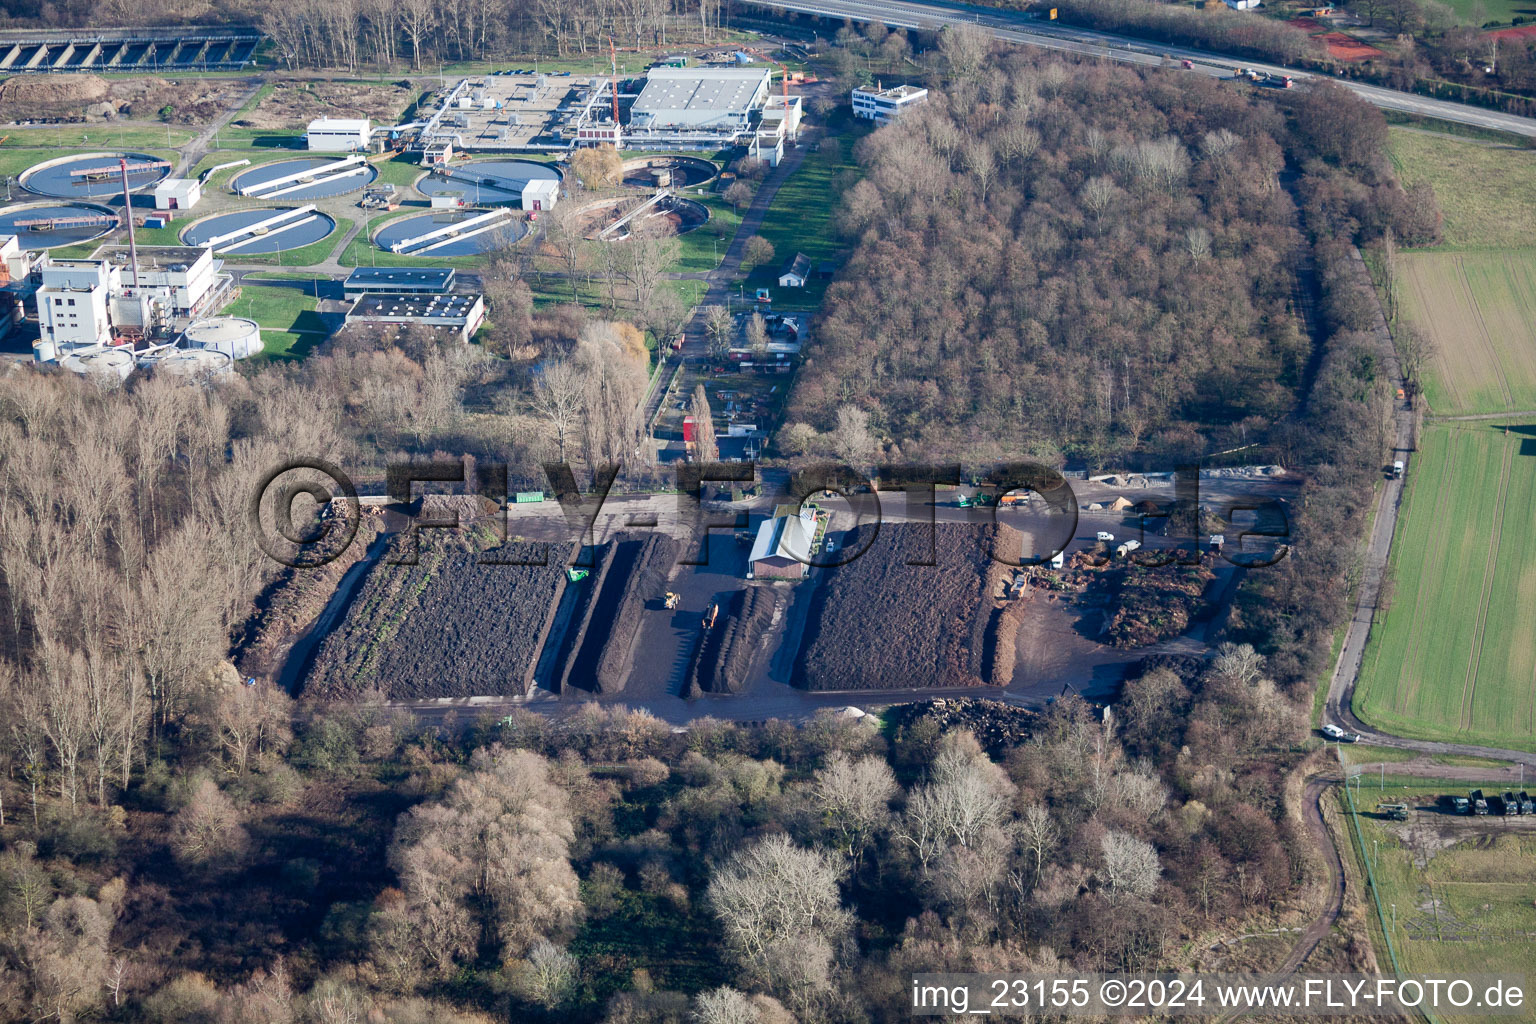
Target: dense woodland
175,846
1084,261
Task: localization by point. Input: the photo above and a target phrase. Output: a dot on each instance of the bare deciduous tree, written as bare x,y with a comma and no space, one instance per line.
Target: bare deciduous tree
208,828
1131,867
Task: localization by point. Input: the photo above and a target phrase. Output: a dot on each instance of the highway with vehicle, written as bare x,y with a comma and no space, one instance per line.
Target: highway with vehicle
1017,27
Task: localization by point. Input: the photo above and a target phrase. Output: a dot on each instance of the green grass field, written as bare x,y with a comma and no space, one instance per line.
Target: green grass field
800,217
1453,657
289,324
1499,213
1460,909
1481,12
1476,307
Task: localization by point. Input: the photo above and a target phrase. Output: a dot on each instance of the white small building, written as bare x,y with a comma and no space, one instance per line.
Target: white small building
884,105
796,271
178,193
18,261
338,134
1242,5
541,194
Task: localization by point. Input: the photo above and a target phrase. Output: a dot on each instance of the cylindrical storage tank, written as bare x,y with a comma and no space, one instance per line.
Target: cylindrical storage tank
191,362
234,336
44,351
113,362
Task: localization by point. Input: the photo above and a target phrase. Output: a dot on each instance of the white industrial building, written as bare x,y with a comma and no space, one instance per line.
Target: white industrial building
178,193
337,134
462,314
700,97
884,105
72,305
185,277
541,194
93,302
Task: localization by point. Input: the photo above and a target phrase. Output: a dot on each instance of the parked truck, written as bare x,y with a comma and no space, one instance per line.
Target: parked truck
1478,801
1456,804
1397,470
1396,812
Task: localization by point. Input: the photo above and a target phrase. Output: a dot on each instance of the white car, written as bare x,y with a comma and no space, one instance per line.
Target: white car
1333,732
1106,537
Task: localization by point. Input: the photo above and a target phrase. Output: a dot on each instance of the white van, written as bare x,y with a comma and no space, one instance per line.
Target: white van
1106,537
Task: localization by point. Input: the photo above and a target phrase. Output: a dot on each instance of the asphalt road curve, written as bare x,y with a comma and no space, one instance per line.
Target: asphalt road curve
1018,28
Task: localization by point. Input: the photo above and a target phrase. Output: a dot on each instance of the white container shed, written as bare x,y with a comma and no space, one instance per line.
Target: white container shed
178,194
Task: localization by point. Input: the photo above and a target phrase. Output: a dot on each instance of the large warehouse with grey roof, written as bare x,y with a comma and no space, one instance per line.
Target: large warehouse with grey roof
700,97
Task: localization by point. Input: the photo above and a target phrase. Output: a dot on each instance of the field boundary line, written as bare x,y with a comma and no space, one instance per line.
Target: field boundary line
1469,686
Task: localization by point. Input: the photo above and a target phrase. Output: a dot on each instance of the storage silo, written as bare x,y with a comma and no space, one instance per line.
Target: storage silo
194,363
109,362
234,336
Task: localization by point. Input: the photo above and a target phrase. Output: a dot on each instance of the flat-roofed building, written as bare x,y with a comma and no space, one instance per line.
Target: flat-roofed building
700,97
178,194
186,277
462,314
884,105
398,280
338,134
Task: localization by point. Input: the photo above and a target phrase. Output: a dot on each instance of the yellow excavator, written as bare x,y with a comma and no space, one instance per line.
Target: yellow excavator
670,601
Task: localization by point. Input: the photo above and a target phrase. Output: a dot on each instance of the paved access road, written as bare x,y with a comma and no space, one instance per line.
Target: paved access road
1018,28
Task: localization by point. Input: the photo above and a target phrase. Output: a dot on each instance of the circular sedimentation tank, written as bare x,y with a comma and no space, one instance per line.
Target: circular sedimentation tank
106,362
317,190
486,181
46,225
275,239
189,362
668,171
232,336
502,235
61,179
673,214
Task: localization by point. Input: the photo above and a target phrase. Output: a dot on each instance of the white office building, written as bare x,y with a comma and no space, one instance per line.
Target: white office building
338,134
72,305
884,105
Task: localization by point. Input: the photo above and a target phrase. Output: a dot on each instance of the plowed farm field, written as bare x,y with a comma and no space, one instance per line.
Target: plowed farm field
1478,310
1453,656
